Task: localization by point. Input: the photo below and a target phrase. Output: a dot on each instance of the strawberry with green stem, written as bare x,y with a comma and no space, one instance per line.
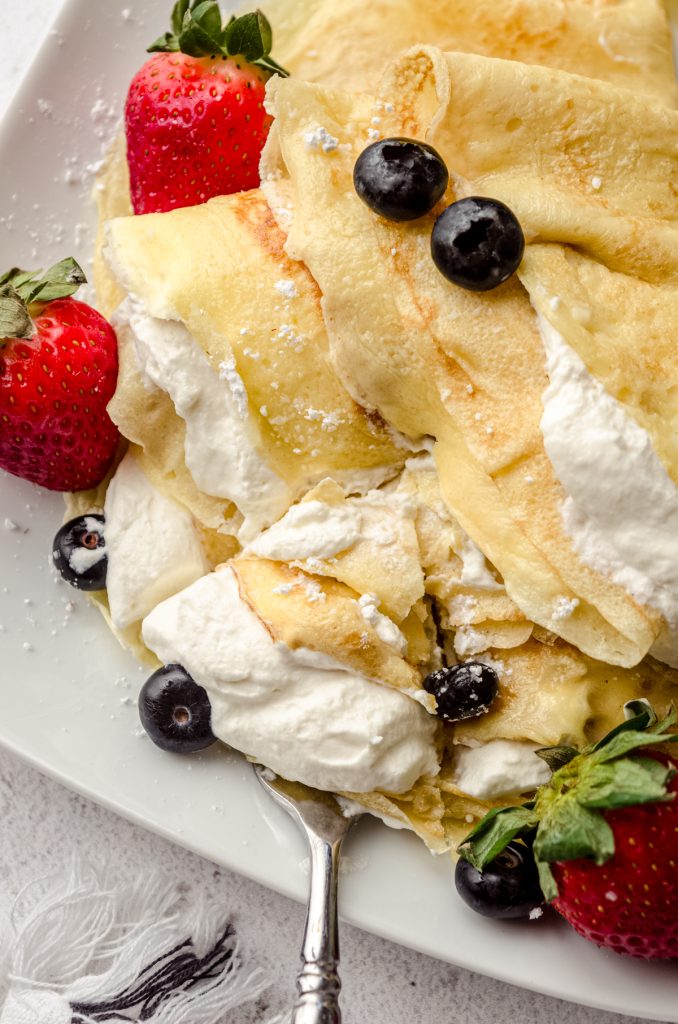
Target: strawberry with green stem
58,371
195,118
604,835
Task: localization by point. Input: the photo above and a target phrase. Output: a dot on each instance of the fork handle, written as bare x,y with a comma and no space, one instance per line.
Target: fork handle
318,983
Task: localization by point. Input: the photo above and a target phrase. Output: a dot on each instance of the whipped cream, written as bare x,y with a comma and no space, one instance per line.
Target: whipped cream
223,446
317,529
303,714
152,545
385,628
475,571
312,529
498,768
622,506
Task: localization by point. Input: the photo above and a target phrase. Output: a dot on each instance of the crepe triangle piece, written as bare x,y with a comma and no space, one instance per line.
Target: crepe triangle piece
467,369
302,610
248,319
347,45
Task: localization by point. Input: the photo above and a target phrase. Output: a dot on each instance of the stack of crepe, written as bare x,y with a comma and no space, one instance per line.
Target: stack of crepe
367,369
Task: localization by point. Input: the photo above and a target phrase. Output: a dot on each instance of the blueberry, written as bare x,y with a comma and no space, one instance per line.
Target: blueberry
175,711
462,691
507,887
79,552
477,243
400,179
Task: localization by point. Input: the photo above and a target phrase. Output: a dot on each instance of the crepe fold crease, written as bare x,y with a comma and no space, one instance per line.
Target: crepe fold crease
346,348
470,370
250,320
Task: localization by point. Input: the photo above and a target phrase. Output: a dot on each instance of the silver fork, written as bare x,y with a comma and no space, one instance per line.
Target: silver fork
321,818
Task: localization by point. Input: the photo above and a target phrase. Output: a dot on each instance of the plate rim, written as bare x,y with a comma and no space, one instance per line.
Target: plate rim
284,886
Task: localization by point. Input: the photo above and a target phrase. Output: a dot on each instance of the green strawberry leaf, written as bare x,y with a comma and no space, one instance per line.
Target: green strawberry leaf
636,708
641,717
178,14
20,278
208,16
547,881
60,281
623,742
198,30
568,831
167,43
244,36
557,757
11,276
623,783
495,832
196,42
268,64
15,321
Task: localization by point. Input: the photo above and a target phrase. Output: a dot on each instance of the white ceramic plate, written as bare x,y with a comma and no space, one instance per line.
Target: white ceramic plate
68,692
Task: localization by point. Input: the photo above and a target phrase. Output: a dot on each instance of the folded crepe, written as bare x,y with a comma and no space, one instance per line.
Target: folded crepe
246,321
470,369
587,167
347,45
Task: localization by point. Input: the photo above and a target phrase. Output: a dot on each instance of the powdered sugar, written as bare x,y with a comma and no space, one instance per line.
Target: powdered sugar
287,288
319,138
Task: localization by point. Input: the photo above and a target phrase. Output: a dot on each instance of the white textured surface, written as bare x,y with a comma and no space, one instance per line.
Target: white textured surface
43,824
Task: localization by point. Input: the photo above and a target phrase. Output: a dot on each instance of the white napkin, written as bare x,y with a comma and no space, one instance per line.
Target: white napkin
81,951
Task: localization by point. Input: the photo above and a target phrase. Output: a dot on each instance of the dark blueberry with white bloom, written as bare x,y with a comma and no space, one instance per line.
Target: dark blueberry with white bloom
175,711
477,243
462,691
400,179
79,552
507,887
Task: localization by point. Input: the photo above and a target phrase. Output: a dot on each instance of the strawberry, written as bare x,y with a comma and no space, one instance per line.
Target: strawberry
58,371
195,117
604,834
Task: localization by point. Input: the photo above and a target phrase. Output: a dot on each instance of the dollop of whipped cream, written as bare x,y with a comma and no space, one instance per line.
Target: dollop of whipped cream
301,713
312,529
223,446
385,628
622,506
498,768
152,545
318,529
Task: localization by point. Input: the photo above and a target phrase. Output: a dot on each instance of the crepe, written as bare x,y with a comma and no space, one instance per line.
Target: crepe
255,312
470,369
112,197
354,346
347,45
321,614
